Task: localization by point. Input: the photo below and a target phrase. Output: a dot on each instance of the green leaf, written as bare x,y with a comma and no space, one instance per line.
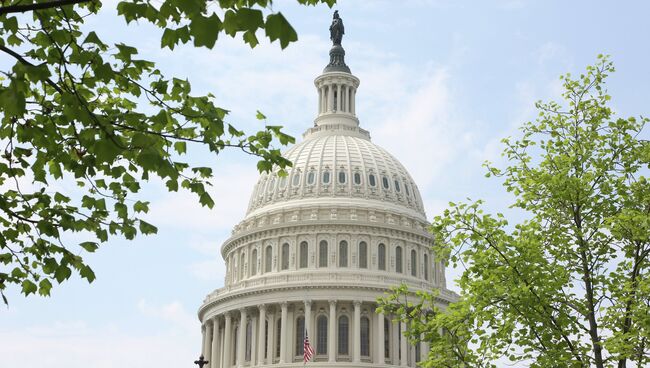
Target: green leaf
205,30
29,287
147,228
277,27
89,246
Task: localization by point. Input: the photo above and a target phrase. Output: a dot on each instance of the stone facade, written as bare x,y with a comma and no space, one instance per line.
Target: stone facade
318,247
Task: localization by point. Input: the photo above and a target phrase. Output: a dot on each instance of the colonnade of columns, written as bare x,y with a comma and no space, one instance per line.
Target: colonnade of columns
336,98
271,334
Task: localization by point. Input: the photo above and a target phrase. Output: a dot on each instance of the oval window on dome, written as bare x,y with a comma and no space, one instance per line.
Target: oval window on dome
397,188
283,182
296,179
357,178
311,178
372,180
407,190
384,182
326,177
342,177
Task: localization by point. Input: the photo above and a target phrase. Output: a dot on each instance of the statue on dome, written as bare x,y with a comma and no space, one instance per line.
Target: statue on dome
336,29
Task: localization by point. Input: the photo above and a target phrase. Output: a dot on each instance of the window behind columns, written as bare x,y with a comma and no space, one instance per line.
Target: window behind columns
363,255
414,263
321,331
278,336
266,339
343,253
365,336
300,335
304,253
322,254
268,259
254,263
241,266
386,338
344,334
285,256
233,353
398,259
381,256
249,340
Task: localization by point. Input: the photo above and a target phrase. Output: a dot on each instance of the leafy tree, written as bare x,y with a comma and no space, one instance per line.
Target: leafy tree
76,109
568,287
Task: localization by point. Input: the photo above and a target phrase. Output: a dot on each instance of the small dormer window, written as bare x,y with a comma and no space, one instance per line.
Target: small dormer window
372,180
406,189
397,188
283,182
342,177
357,178
384,182
311,178
296,179
326,177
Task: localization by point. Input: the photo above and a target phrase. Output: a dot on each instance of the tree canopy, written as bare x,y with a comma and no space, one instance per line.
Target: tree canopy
568,286
76,109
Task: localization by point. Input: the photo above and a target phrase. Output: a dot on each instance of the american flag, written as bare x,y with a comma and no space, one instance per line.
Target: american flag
308,351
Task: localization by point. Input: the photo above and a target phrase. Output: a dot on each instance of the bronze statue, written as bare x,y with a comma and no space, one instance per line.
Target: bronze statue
336,29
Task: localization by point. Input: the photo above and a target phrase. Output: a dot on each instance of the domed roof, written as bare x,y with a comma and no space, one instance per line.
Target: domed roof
339,165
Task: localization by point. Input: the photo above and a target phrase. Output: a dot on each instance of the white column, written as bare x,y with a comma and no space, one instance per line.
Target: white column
283,334
222,343
331,338
338,98
352,103
330,98
320,100
379,359
203,338
395,342
253,341
270,353
424,349
207,350
227,338
260,335
403,346
308,320
357,331
241,339
214,357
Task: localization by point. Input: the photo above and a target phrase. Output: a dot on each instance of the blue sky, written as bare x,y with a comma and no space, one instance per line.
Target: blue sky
442,82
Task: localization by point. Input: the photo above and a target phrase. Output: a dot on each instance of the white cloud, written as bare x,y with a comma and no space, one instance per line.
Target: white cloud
173,313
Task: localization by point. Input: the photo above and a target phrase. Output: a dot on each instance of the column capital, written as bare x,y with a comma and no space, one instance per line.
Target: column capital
357,303
284,304
227,315
332,302
308,303
261,307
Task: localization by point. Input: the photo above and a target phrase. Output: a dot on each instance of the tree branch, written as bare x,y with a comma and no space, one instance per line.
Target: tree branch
38,6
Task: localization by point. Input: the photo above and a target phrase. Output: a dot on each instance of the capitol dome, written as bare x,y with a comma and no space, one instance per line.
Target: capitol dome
318,246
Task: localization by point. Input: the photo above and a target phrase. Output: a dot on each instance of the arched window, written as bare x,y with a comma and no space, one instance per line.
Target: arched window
407,190
398,259
343,253
285,256
384,182
397,188
300,335
321,335
268,259
249,340
386,338
322,254
371,180
426,267
311,178
414,263
283,182
296,179
344,335
381,257
365,336
266,338
304,253
363,255
254,263
357,178
342,177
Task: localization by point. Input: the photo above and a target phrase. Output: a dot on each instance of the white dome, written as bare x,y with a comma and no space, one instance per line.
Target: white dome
339,166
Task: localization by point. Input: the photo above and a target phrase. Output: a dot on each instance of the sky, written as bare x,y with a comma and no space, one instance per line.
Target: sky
442,82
